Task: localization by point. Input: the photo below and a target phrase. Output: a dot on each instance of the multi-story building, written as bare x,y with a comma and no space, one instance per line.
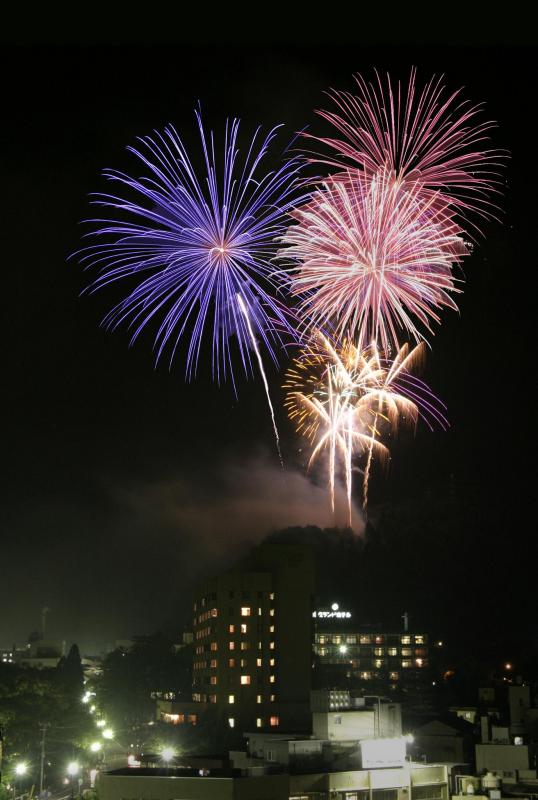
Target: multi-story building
253,639
368,655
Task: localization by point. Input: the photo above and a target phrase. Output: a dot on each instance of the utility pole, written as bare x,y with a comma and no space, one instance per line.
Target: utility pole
44,611
43,728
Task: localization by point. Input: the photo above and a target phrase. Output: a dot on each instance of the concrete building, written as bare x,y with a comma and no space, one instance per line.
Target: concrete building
408,782
368,655
42,654
253,639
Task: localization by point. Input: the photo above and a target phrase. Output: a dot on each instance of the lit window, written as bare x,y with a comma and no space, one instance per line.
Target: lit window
406,651
419,639
379,639
213,680
271,645
272,612
259,645
213,663
231,628
365,639
213,646
378,663
271,629
245,612
245,680
272,596
351,639
406,663
271,678
392,651
214,612
337,639
406,640
231,662
231,722
243,628
259,612
259,722
231,645
243,662
274,722
245,646
231,698
212,698
419,662
321,639
394,676
258,662
379,651
272,698
259,698
271,662
192,719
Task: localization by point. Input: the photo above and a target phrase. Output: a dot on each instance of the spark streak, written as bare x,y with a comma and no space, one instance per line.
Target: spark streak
243,308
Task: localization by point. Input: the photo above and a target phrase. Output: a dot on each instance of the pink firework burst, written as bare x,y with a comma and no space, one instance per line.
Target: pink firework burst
373,260
429,137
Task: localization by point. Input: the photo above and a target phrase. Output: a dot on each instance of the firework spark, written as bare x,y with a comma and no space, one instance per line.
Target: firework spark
372,259
428,136
345,399
192,245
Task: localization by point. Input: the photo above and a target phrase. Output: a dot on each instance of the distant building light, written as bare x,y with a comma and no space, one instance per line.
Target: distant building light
231,722
335,606
231,699
343,648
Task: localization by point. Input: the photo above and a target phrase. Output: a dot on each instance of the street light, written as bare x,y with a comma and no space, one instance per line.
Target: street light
95,747
167,755
72,771
108,733
100,723
21,768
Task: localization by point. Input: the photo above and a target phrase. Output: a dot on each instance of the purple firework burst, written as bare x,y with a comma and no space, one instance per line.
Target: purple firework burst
198,249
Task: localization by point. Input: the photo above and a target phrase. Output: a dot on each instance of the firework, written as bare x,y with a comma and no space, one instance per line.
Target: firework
429,136
373,259
344,400
190,247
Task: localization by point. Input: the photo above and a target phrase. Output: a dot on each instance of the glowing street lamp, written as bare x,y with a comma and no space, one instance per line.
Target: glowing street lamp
168,754
100,723
95,747
72,771
108,733
21,769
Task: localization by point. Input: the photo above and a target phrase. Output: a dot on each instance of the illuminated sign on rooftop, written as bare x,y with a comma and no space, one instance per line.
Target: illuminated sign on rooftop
382,753
334,613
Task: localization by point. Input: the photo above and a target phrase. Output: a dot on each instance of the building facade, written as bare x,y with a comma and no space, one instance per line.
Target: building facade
252,639
366,655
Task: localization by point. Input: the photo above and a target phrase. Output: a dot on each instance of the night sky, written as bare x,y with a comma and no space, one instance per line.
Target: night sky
122,483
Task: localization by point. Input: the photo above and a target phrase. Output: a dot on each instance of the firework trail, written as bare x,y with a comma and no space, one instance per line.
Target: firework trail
373,261
188,245
343,398
262,372
427,135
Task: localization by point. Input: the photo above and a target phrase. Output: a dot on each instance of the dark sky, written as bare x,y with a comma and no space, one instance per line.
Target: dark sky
122,482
